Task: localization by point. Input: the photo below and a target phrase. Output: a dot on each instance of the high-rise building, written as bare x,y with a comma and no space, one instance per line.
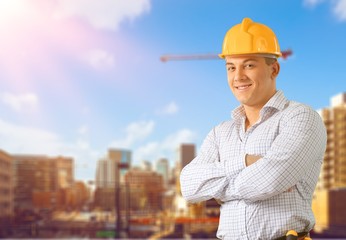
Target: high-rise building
330,192
333,172
162,168
103,172
65,171
6,185
145,190
146,165
105,185
110,174
41,177
186,153
116,161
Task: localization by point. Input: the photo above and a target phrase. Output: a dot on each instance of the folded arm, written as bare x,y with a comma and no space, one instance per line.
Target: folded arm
300,144
293,153
205,177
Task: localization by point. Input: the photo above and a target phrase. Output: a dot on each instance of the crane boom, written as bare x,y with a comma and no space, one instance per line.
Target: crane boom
170,57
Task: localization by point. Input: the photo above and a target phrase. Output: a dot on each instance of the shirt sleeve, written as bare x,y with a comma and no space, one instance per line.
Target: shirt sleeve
300,144
205,176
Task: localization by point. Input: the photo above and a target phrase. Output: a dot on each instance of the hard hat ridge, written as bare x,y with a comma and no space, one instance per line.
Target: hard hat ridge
245,24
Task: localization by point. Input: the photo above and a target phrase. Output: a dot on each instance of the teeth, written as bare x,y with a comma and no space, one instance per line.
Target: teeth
243,87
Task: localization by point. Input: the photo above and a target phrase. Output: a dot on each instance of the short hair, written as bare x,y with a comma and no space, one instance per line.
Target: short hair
270,60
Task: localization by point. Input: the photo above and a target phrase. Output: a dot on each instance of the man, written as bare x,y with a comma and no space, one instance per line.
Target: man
263,165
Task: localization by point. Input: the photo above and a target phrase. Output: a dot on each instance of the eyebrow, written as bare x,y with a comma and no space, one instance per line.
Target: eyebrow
245,61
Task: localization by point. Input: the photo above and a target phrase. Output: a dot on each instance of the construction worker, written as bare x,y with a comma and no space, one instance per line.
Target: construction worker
264,163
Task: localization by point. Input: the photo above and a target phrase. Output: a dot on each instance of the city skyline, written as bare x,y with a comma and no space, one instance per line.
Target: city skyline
44,200
80,77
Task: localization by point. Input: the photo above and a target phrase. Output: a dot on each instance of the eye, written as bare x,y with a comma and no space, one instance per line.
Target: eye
230,68
249,66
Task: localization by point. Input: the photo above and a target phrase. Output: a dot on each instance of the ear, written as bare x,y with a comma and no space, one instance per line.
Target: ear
275,69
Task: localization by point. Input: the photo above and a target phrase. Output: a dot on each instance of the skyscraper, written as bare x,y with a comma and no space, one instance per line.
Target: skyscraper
186,153
110,174
145,190
109,166
146,165
330,193
333,172
6,186
162,168
40,174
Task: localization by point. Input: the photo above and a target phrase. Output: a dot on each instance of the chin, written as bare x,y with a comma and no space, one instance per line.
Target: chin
242,100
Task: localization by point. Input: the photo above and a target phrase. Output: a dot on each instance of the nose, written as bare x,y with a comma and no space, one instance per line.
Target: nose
239,74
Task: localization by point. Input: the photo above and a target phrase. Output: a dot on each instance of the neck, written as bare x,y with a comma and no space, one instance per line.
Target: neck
253,111
252,116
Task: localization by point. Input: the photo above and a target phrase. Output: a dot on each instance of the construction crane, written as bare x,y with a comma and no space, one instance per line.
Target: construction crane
169,57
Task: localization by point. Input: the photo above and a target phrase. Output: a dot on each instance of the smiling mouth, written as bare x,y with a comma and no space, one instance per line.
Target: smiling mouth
243,87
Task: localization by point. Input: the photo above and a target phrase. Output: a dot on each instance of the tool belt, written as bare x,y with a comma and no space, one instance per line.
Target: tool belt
300,236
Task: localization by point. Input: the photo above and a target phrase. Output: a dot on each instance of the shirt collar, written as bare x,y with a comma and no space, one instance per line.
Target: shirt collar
278,102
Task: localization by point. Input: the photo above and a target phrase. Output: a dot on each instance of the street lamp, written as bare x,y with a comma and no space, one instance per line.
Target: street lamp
120,166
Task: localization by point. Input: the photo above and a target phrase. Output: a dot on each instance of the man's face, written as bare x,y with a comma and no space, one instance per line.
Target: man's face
251,79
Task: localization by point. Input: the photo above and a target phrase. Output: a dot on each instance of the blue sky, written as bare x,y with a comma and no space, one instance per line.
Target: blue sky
78,77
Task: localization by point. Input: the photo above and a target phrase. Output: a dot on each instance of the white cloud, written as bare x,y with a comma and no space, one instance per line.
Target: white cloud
16,139
19,139
20,102
174,140
105,14
83,144
147,151
339,7
169,109
83,130
312,3
137,140
135,132
22,139
152,151
340,10
99,58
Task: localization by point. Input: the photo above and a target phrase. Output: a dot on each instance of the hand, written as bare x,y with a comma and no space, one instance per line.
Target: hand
251,159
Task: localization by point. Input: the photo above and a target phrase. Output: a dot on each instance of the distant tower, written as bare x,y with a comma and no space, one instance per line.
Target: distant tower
6,186
186,153
120,157
330,213
110,173
108,166
38,175
103,178
145,190
146,165
333,173
162,167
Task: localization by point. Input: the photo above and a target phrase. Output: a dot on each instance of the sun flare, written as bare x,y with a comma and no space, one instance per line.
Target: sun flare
11,8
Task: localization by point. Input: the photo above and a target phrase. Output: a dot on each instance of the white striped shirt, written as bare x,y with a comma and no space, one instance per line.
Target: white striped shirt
273,195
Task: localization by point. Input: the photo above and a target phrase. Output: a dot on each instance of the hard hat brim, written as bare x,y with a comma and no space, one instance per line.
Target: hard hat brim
268,55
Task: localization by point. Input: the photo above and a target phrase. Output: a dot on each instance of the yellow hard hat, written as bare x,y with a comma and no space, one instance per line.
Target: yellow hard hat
250,38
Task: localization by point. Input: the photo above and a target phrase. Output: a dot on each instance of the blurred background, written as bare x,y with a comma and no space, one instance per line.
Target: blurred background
102,102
